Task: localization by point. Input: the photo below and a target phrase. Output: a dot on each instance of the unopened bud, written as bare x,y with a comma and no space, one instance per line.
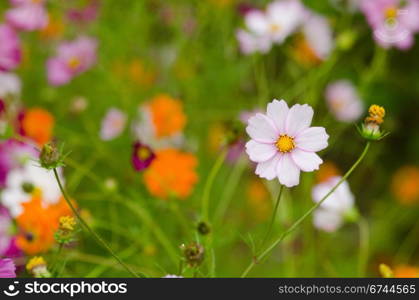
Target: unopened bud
193,254
38,267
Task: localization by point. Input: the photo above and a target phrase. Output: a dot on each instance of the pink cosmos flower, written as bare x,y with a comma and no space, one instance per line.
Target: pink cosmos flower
283,143
343,101
7,268
394,22
331,213
272,26
112,124
85,14
73,58
10,49
27,15
10,85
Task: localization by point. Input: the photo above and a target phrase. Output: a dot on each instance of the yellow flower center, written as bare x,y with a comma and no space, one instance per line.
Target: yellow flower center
74,63
143,153
376,110
275,28
285,143
391,12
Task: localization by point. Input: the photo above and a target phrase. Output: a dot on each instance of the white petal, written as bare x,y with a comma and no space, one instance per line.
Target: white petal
312,139
268,168
288,172
327,220
277,111
257,22
299,118
259,152
262,129
305,160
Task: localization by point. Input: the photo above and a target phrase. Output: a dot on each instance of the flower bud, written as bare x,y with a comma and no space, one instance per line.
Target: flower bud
193,254
370,129
203,228
64,234
51,156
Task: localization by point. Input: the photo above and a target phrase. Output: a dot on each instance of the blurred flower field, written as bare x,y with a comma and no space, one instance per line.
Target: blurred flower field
209,138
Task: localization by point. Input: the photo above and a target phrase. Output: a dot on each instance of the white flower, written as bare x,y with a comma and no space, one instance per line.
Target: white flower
112,124
9,85
318,35
331,213
272,26
32,176
283,143
343,101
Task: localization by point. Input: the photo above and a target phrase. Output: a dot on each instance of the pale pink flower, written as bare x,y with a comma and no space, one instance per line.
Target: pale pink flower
28,15
393,22
343,101
318,34
272,26
10,49
73,58
112,124
283,143
331,213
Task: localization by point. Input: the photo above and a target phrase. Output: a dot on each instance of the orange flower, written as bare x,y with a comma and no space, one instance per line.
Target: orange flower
305,54
38,224
326,171
405,271
172,173
167,115
38,124
405,185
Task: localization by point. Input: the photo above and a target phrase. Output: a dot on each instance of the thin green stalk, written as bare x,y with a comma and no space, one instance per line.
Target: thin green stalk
90,230
56,259
274,213
363,246
208,185
308,213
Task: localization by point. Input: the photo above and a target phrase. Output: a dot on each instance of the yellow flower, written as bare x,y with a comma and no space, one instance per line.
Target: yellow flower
67,223
35,262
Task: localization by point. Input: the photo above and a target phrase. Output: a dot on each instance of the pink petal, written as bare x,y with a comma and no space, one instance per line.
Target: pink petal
259,152
327,220
312,139
306,161
262,129
58,73
299,118
268,168
277,111
288,172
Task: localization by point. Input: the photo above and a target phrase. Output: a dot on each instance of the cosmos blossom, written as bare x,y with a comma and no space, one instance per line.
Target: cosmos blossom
331,213
10,48
73,57
27,15
112,124
10,85
393,22
343,101
283,144
7,268
272,26
142,156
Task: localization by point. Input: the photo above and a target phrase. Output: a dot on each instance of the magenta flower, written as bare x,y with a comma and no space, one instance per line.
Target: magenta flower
27,15
73,58
85,14
7,268
10,50
283,143
142,156
394,22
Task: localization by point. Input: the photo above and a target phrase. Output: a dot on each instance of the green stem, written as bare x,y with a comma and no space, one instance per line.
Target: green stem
268,232
90,230
308,213
55,265
208,185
